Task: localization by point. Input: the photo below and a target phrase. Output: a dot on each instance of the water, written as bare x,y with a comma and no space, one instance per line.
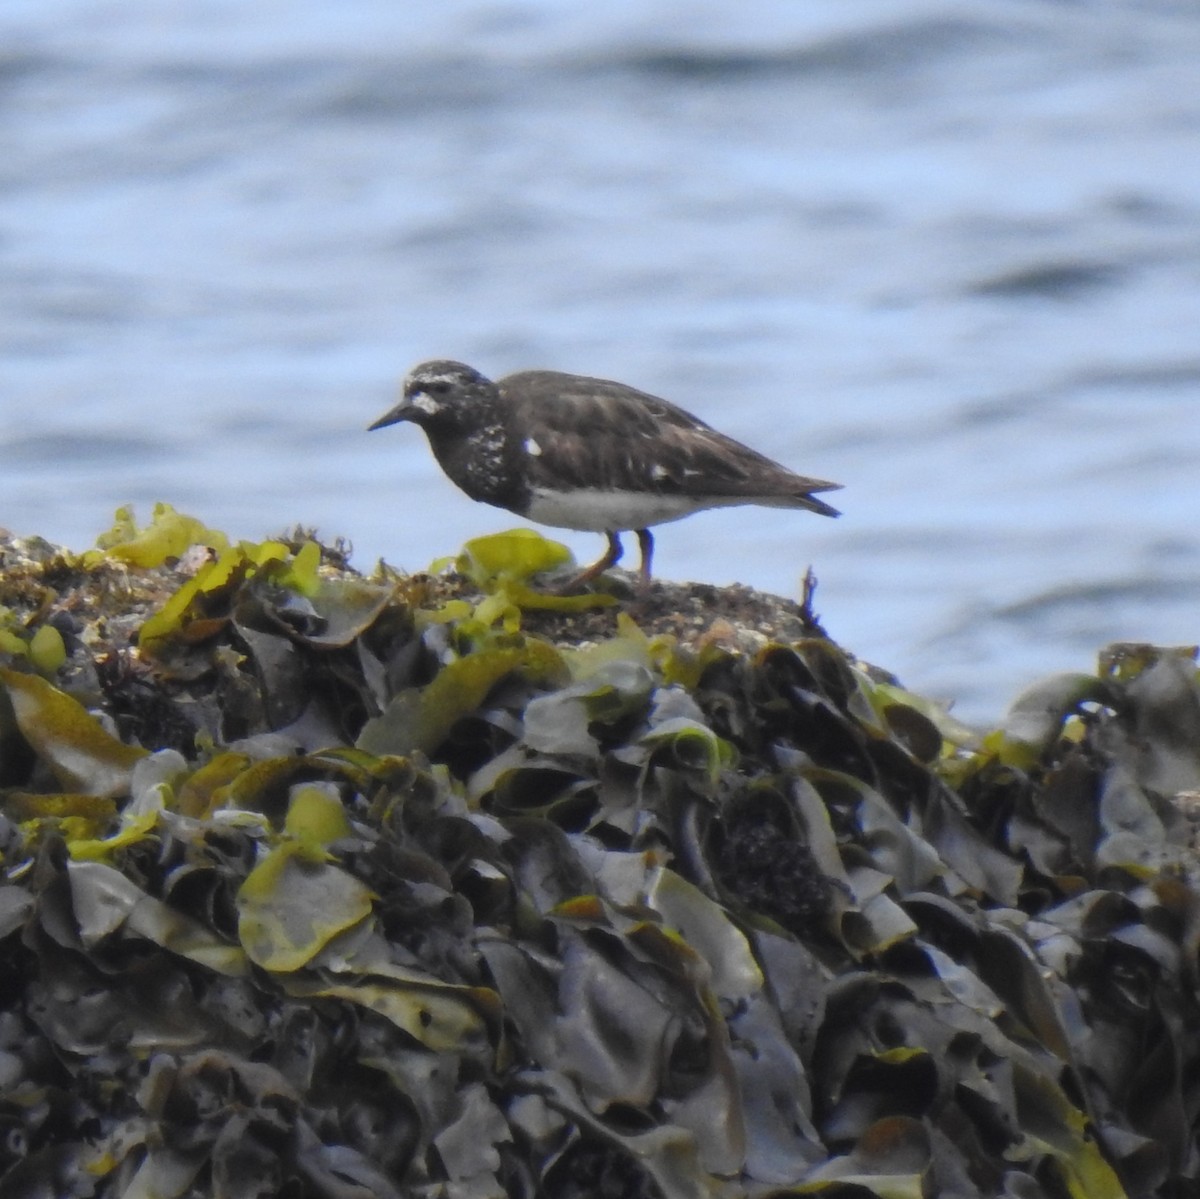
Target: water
947,253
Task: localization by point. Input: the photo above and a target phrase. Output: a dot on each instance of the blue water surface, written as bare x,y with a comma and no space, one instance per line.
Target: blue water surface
945,252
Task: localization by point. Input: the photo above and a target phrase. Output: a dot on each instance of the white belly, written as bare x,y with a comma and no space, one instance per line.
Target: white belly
596,511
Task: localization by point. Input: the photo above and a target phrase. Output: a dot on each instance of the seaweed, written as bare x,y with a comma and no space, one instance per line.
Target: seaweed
443,885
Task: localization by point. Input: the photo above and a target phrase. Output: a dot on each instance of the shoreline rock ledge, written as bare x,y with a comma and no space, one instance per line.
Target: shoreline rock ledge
332,885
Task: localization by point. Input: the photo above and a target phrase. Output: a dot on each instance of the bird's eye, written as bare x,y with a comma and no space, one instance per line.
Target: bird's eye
439,387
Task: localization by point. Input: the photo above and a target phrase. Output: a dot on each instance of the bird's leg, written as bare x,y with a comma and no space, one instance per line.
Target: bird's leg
610,557
646,544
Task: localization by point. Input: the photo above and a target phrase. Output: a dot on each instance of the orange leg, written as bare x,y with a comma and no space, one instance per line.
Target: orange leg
646,543
610,557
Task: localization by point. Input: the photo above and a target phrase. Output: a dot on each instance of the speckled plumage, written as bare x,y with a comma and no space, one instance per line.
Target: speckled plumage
582,453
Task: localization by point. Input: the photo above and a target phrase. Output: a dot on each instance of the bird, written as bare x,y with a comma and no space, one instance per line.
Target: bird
589,454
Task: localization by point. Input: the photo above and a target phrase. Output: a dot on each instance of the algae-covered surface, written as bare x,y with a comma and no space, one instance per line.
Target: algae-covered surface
317,884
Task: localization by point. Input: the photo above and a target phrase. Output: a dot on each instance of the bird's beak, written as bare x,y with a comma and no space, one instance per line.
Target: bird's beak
402,411
417,406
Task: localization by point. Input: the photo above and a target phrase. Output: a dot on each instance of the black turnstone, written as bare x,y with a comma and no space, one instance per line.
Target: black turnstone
581,453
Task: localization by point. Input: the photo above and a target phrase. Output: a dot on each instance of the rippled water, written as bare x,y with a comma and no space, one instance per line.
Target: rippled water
947,253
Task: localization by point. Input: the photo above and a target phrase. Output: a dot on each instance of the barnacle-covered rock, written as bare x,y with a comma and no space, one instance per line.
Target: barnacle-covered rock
442,885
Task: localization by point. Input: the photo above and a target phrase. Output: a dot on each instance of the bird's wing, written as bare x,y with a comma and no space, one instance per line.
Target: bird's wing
577,428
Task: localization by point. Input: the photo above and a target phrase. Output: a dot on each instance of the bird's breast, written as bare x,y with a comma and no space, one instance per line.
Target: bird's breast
481,465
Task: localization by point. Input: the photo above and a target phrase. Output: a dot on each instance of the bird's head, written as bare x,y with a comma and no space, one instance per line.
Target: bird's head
442,395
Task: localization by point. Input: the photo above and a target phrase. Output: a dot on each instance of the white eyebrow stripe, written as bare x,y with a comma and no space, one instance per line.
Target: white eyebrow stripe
423,402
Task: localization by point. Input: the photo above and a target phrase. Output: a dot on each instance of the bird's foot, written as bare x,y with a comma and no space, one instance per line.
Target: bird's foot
610,557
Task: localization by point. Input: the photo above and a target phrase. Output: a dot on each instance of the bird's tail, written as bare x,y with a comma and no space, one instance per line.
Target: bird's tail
815,505
804,499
